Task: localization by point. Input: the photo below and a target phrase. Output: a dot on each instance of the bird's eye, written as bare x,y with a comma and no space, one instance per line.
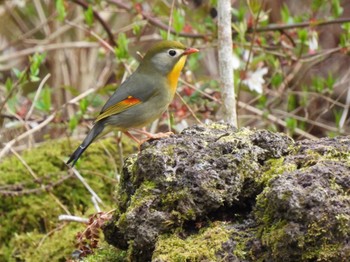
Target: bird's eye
172,52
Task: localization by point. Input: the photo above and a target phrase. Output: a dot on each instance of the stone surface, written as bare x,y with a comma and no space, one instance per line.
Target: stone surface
216,193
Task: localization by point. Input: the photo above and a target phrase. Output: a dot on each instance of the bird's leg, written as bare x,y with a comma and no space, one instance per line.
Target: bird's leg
153,136
133,137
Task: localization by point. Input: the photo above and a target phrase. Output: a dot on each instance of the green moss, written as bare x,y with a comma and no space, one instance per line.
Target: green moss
329,153
275,237
200,247
318,243
274,168
143,194
32,216
35,246
107,253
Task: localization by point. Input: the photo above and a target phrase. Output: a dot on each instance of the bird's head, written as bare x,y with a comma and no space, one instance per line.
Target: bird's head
167,56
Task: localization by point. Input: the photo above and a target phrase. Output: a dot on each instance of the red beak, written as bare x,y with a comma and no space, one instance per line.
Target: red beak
190,50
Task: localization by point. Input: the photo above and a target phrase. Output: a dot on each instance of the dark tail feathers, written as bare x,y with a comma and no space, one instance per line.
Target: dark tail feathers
94,132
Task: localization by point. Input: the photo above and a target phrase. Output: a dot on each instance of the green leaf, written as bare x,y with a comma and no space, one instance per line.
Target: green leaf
303,35
36,61
8,84
285,14
337,116
317,4
254,6
34,78
337,10
239,13
89,16
44,102
291,124
178,21
329,82
17,72
318,84
163,34
276,80
304,100
136,29
73,122
61,10
292,102
121,51
262,102
83,104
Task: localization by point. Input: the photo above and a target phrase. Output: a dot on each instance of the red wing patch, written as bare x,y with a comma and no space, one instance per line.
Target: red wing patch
119,107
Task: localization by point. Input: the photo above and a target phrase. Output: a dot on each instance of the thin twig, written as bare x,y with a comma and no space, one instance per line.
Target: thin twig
189,108
14,88
279,27
42,16
274,119
100,39
86,185
49,47
49,234
98,18
256,111
26,134
97,207
42,83
156,22
73,219
170,18
306,120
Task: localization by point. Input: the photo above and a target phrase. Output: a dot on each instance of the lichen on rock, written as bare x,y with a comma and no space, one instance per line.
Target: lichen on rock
206,173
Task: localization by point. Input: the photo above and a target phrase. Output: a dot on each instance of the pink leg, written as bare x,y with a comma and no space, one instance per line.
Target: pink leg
132,137
153,136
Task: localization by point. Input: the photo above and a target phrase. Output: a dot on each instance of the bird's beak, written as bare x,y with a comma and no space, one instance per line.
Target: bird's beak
190,50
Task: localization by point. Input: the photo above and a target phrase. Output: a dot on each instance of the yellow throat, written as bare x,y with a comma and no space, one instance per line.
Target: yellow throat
174,74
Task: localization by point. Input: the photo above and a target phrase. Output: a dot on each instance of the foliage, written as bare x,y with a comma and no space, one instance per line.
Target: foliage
32,212
61,60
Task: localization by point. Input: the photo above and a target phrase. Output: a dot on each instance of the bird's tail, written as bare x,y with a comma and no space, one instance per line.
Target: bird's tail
94,132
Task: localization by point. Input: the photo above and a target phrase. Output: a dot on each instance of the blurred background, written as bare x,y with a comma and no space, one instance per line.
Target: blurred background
66,57
61,60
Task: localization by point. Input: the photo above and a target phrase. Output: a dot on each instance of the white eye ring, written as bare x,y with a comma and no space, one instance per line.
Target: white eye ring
172,52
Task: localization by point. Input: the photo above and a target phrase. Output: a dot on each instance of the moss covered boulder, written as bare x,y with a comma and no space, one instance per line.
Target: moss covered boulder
38,187
216,193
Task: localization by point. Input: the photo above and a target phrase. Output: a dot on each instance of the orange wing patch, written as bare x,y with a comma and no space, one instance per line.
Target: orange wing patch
119,107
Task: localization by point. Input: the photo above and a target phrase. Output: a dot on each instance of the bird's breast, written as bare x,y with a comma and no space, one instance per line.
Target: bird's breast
174,74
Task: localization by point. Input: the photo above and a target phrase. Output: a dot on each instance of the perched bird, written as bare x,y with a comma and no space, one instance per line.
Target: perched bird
143,96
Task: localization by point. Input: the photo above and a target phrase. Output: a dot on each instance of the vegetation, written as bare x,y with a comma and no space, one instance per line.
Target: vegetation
60,60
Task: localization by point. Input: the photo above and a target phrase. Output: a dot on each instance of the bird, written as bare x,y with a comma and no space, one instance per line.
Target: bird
143,96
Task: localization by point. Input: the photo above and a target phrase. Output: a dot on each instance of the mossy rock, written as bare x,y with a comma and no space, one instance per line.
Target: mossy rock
216,193
29,215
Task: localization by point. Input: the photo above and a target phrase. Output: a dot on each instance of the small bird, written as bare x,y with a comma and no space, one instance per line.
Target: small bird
143,96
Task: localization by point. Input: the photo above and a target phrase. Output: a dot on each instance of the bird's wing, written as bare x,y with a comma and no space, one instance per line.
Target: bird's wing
129,94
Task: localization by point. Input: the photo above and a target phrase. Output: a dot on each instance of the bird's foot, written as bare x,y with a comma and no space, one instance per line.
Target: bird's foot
149,135
159,135
153,136
156,136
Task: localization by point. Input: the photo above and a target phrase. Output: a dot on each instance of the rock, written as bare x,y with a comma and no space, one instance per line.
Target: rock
216,193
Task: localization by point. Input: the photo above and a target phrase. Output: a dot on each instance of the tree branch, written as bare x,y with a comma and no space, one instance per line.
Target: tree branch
98,17
228,108
156,22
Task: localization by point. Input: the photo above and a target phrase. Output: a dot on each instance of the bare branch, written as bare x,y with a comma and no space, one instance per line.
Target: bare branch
42,83
73,219
225,53
86,185
98,18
